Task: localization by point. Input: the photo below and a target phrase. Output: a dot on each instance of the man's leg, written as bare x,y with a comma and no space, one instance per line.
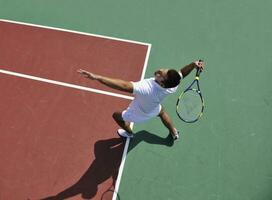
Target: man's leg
167,121
117,116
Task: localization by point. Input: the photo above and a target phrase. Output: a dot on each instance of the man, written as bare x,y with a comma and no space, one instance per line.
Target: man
148,94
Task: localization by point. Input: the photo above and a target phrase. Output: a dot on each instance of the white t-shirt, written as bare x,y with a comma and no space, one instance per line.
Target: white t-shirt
148,96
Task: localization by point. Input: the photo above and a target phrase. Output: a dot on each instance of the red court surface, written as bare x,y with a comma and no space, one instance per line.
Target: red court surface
57,55
57,142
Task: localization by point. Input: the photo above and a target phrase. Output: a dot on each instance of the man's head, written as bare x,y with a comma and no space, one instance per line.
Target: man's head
167,78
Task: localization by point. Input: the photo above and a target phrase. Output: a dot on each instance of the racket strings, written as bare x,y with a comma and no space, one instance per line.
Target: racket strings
190,105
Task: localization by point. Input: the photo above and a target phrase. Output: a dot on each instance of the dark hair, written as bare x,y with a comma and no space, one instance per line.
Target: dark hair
173,78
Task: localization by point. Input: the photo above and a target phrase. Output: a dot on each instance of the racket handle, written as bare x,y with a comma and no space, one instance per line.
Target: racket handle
198,71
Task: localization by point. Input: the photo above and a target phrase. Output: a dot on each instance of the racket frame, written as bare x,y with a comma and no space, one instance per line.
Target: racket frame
197,90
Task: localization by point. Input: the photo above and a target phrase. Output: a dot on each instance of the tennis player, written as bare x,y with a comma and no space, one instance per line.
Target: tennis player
148,95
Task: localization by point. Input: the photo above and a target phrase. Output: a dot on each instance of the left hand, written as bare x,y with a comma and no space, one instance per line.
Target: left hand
87,74
200,64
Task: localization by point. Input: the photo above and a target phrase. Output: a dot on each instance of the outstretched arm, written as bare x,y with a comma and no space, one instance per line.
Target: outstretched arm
188,68
118,84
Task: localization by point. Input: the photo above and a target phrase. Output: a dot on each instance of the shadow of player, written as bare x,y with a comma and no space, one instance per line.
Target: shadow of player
108,154
150,138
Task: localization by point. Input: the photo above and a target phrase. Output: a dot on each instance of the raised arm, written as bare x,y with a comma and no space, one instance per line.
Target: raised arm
118,84
188,68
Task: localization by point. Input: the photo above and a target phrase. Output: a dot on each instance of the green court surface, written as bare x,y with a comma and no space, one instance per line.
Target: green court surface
227,155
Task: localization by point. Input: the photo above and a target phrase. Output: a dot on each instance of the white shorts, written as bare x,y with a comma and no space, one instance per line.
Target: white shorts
136,115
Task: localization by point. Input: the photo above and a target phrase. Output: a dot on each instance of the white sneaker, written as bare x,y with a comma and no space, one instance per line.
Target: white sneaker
176,135
123,133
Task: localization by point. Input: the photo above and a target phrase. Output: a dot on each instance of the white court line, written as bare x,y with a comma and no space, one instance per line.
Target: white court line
65,84
77,32
124,156
146,62
121,168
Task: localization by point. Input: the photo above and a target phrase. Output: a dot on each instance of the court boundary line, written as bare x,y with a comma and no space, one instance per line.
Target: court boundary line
69,85
87,34
77,32
121,168
124,156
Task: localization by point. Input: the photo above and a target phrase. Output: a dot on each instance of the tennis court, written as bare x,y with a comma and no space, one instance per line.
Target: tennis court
58,122
57,136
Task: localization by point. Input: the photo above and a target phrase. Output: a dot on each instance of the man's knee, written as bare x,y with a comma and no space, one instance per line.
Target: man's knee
117,116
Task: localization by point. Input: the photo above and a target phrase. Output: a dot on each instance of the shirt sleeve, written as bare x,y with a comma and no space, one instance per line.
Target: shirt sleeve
139,88
181,76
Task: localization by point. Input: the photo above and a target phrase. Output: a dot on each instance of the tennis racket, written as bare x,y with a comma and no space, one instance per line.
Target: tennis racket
190,104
